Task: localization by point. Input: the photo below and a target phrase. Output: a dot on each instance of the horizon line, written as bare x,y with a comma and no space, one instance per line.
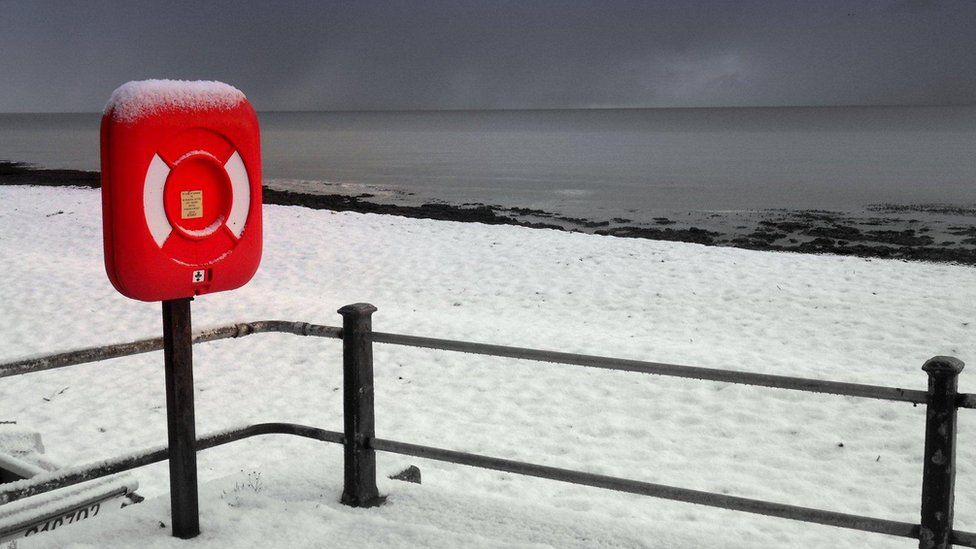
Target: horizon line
538,109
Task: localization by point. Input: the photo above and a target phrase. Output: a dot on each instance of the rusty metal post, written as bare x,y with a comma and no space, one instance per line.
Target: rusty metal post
357,393
939,469
178,357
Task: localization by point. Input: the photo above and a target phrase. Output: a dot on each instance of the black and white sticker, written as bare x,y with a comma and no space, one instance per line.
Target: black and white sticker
199,276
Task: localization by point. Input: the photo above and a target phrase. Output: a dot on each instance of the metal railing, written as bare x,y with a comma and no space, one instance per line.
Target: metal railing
360,442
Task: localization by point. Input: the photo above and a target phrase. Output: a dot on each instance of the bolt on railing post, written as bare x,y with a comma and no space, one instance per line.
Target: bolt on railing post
939,469
357,393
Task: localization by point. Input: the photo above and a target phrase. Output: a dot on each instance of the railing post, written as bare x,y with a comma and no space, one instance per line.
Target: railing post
939,469
357,393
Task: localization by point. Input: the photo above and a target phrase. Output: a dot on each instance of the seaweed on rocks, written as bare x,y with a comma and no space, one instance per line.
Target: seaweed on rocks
691,234
17,173
899,238
963,231
927,208
530,211
842,232
583,222
767,235
343,203
788,226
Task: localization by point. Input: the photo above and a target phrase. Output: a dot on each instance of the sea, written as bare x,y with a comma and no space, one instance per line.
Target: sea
596,164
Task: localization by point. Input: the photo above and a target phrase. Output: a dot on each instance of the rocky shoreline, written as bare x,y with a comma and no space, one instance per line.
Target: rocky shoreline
920,232
15,173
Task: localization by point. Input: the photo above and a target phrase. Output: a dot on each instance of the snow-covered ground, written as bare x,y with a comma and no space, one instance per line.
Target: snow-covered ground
847,319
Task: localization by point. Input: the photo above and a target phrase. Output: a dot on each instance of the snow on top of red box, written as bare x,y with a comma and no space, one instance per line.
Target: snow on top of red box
136,99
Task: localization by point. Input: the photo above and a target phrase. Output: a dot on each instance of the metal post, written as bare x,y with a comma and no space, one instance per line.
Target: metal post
357,392
939,469
178,356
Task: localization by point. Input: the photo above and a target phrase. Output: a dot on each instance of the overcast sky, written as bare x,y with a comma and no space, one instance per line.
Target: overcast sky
69,56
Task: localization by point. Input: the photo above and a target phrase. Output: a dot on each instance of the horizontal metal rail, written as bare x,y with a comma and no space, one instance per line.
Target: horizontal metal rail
967,539
75,475
659,368
805,514
105,352
92,354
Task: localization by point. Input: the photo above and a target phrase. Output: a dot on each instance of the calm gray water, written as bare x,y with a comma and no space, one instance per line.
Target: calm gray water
596,163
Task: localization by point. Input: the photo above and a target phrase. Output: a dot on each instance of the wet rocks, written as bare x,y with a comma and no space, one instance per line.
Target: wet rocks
16,173
692,234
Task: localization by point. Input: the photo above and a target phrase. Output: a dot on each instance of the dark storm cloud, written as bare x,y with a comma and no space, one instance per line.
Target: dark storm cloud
496,54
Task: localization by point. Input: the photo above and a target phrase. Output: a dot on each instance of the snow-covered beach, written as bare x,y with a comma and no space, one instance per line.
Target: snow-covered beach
841,318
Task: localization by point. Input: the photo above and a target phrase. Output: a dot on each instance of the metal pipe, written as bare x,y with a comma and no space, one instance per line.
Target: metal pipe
75,475
792,512
843,520
659,368
967,539
60,360
92,354
966,400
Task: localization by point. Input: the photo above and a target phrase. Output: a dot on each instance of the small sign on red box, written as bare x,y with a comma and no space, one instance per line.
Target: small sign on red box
181,189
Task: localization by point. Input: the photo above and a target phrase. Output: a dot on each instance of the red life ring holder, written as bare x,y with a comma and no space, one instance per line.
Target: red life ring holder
181,189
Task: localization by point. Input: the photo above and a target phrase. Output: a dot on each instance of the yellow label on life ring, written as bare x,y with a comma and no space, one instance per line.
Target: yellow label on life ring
191,204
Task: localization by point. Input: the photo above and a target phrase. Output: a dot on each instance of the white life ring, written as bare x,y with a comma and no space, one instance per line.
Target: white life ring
155,210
